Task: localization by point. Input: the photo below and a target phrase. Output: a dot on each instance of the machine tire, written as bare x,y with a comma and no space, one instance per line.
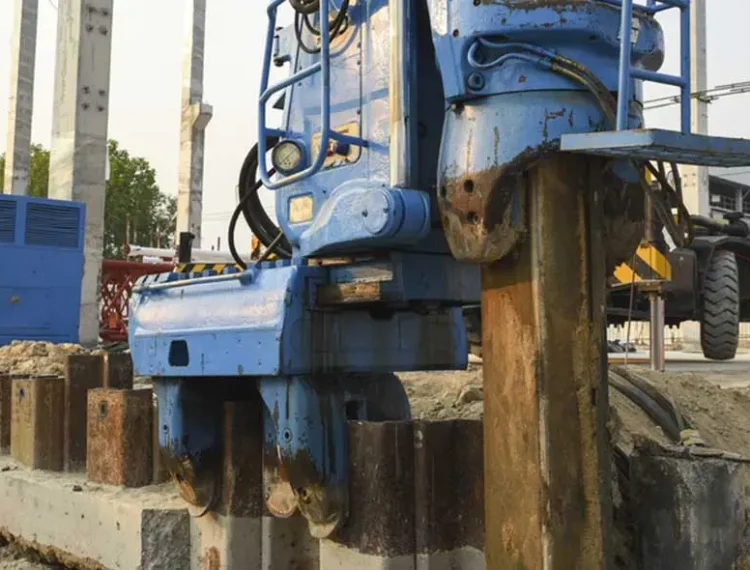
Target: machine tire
720,322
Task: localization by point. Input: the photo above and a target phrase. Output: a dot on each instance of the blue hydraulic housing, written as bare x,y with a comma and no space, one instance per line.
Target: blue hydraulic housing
410,126
41,252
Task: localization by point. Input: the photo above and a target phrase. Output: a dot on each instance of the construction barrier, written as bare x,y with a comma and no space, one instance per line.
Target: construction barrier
116,287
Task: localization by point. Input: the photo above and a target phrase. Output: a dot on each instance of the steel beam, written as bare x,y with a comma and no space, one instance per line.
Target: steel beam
195,118
21,103
657,356
80,121
547,477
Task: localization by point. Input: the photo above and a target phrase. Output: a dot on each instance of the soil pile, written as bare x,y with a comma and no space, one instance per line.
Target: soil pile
36,358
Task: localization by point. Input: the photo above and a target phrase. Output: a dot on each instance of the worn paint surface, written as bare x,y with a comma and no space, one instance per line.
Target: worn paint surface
542,325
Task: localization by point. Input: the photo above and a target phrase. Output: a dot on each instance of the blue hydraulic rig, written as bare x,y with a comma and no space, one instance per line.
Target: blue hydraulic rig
400,168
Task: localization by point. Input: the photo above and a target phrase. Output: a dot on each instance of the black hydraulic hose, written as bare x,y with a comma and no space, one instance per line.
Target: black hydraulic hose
335,26
252,208
233,228
302,19
647,404
305,6
655,394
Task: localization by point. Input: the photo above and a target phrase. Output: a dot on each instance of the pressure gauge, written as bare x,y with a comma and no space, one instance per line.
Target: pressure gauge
287,157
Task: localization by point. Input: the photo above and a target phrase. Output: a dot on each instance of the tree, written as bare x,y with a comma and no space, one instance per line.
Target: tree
136,210
135,205
38,171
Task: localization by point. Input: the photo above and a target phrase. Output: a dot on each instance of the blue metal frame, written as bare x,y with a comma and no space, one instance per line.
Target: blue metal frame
682,147
322,66
628,72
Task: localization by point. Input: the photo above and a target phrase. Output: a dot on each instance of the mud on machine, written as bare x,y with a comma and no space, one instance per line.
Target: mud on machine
432,154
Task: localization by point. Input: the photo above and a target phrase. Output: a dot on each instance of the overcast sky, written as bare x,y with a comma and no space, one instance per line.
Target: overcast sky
146,83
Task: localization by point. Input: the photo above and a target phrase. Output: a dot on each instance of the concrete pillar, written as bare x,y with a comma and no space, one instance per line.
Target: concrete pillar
79,133
21,103
695,178
195,118
695,183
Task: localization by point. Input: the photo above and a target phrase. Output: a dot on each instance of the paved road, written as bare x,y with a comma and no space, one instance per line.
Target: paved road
732,373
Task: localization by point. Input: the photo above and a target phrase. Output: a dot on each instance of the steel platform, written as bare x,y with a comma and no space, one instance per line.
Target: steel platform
658,144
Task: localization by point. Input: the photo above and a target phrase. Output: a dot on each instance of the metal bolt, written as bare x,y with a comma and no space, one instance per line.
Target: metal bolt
475,81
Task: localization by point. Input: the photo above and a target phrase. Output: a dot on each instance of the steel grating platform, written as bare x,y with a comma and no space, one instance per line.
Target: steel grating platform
657,144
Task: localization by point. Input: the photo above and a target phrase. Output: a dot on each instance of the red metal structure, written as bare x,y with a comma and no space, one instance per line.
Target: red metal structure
116,287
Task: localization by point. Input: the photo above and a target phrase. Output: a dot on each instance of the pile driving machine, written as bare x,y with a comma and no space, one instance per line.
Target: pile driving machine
432,154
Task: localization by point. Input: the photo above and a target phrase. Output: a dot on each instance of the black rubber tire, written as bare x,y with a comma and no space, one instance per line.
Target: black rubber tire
720,322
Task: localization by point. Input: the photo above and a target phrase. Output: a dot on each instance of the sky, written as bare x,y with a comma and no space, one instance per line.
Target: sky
146,85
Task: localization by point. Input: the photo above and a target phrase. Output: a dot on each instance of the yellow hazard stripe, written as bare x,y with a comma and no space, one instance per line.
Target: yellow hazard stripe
200,267
656,260
624,274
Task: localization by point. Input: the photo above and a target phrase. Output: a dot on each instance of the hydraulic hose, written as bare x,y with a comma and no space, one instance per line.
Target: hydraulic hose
250,206
647,404
664,401
255,214
305,6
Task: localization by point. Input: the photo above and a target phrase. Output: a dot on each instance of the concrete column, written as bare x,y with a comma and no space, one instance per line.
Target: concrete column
79,133
695,178
195,118
21,103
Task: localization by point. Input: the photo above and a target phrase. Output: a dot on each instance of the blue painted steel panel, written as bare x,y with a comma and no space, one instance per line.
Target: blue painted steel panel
656,144
41,249
265,322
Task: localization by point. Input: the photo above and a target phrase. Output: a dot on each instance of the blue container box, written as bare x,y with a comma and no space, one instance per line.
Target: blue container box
41,267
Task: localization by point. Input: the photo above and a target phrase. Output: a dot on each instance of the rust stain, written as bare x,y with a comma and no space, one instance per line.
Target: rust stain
522,79
211,559
550,116
541,368
483,212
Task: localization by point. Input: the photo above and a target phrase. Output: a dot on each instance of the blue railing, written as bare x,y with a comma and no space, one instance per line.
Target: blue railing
627,72
322,66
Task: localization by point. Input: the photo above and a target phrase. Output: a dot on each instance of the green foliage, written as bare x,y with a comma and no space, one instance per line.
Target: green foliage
134,202
38,171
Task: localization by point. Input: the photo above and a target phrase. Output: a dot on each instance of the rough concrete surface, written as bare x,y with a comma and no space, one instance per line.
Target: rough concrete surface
93,526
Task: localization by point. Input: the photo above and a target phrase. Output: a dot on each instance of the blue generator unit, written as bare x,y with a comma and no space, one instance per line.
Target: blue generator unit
41,252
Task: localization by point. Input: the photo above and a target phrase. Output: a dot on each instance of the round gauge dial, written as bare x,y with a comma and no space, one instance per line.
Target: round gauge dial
287,157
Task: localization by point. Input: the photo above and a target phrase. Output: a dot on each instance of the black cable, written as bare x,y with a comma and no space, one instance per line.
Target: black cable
647,404
233,227
252,208
334,27
271,248
666,403
305,6
298,35
301,19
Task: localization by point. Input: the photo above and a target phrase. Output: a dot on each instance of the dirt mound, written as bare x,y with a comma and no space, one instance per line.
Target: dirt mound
715,404
36,358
